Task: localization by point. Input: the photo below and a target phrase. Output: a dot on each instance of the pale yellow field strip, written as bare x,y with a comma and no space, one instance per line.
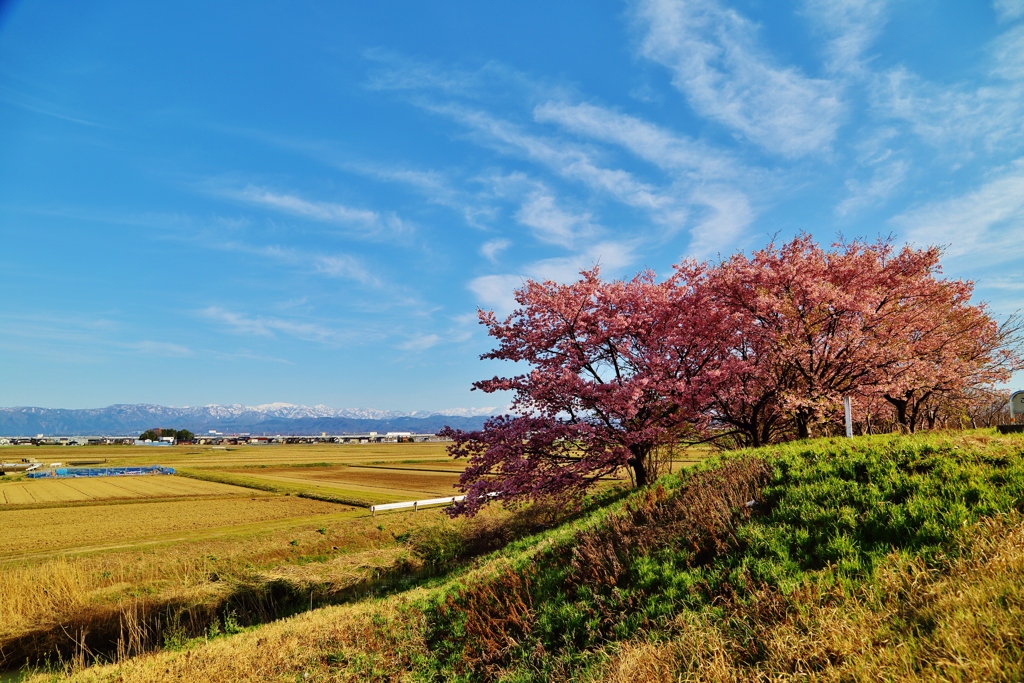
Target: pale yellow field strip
49,529
377,481
249,459
383,494
440,466
36,491
241,456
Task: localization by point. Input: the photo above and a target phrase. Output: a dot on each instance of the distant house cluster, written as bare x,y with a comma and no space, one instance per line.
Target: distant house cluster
218,439
41,440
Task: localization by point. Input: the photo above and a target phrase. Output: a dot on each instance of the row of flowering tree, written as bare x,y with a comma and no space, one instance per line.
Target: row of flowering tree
752,350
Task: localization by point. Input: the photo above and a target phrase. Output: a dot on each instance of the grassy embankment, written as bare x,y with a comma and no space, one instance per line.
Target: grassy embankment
881,558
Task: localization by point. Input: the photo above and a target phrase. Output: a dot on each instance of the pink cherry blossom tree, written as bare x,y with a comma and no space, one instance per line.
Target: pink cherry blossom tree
809,326
758,348
616,371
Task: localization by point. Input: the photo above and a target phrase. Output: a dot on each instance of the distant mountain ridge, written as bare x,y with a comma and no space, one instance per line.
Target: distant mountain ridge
269,418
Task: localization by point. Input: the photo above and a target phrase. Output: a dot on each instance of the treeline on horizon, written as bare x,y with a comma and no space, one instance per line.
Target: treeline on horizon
179,435
749,351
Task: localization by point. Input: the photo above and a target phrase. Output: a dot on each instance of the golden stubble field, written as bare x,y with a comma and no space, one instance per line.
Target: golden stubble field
252,485
41,531
73,547
24,491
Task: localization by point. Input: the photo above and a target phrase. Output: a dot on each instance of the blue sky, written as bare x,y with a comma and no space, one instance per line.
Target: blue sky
306,202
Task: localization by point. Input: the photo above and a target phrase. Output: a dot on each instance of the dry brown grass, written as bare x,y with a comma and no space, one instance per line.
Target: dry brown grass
963,623
323,556
373,641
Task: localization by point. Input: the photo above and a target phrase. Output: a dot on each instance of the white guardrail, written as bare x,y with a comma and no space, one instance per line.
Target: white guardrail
417,504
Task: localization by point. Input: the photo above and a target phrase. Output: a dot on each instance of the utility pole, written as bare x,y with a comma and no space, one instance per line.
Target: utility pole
849,416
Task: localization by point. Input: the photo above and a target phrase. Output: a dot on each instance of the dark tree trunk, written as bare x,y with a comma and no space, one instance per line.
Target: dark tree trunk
900,404
753,435
920,406
638,463
803,425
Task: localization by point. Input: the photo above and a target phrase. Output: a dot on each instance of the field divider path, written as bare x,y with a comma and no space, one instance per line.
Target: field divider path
87,495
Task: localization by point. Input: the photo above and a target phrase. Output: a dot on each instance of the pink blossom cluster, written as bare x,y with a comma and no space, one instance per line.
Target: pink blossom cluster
752,350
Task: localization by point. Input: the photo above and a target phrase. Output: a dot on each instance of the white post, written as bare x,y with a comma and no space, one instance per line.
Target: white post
849,417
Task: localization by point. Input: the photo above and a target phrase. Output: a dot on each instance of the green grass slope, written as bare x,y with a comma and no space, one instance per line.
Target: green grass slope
876,558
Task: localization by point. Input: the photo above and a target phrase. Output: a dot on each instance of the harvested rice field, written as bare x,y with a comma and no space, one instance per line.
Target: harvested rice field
379,484
25,491
270,455
35,531
448,465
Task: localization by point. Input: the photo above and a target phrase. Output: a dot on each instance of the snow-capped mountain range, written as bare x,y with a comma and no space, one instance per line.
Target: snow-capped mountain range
291,411
276,418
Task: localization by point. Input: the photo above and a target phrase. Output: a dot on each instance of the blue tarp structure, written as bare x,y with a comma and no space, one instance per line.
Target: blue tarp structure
72,472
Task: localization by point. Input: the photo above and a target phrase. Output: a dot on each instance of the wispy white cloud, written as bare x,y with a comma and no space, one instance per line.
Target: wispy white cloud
76,337
397,72
850,26
886,176
553,225
38,106
436,187
157,348
982,227
360,222
716,61
420,342
687,166
267,326
647,141
612,256
495,292
229,234
1009,10
569,161
491,248
959,117
345,266
726,217
1008,283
